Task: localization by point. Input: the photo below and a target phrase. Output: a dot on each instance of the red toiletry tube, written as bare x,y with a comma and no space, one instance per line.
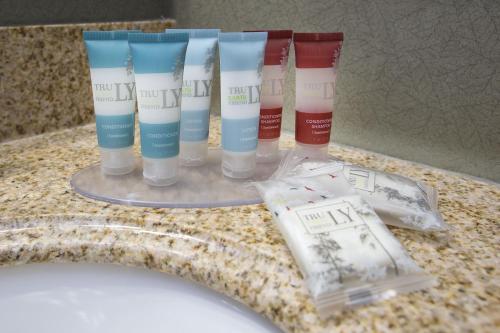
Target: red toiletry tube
273,88
316,58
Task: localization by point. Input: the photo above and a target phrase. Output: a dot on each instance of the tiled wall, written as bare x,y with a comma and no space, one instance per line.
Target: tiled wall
419,80
44,77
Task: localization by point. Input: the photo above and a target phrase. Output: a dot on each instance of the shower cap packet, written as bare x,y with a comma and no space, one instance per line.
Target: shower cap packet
398,200
346,254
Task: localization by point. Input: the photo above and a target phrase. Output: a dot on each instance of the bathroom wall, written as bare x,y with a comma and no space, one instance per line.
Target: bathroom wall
419,80
30,12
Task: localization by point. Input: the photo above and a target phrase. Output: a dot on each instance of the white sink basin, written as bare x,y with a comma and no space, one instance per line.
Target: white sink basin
107,298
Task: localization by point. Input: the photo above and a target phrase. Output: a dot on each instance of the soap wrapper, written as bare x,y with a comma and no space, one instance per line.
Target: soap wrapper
345,252
398,200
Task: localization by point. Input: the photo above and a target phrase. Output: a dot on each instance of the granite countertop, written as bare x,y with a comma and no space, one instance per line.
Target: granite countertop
237,250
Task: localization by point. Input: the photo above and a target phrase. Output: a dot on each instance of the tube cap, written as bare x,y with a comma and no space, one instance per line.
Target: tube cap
268,151
160,171
117,161
193,153
238,165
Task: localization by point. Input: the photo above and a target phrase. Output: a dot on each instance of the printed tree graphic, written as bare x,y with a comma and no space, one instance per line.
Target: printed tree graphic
327,250
210,59
178,68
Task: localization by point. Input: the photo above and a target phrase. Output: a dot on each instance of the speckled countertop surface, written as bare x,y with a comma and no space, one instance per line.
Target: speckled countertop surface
238,251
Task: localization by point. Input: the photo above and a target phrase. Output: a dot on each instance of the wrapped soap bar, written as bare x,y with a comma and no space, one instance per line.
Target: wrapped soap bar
346,254
398,200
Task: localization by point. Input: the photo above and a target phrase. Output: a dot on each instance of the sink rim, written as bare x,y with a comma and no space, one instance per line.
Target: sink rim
110,277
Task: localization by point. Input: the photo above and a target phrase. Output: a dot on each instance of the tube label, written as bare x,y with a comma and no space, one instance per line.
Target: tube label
240,109
159,140
240,135
270,123
315,91
115,131
194,125
313,128
158,98
240,94
273,85
113,91
159,102
196,93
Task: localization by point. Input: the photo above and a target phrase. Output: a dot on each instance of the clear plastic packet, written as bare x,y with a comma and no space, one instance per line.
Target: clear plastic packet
398,200
345,252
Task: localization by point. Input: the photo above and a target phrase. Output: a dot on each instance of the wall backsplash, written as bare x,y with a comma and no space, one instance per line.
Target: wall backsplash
419,80
44,76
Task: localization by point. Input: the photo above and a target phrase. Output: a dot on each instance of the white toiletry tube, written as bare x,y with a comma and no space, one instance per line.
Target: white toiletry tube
113,90
316,62
273,89
196,94
241,62
158,61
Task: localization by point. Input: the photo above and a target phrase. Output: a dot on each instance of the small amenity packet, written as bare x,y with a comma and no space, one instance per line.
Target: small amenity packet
346,254
398,200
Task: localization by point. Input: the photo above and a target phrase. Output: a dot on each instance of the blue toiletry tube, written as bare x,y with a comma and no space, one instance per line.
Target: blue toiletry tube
113,91
196,94
241,62
158,61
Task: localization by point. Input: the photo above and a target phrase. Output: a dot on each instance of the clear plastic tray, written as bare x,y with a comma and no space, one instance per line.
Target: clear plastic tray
197,187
